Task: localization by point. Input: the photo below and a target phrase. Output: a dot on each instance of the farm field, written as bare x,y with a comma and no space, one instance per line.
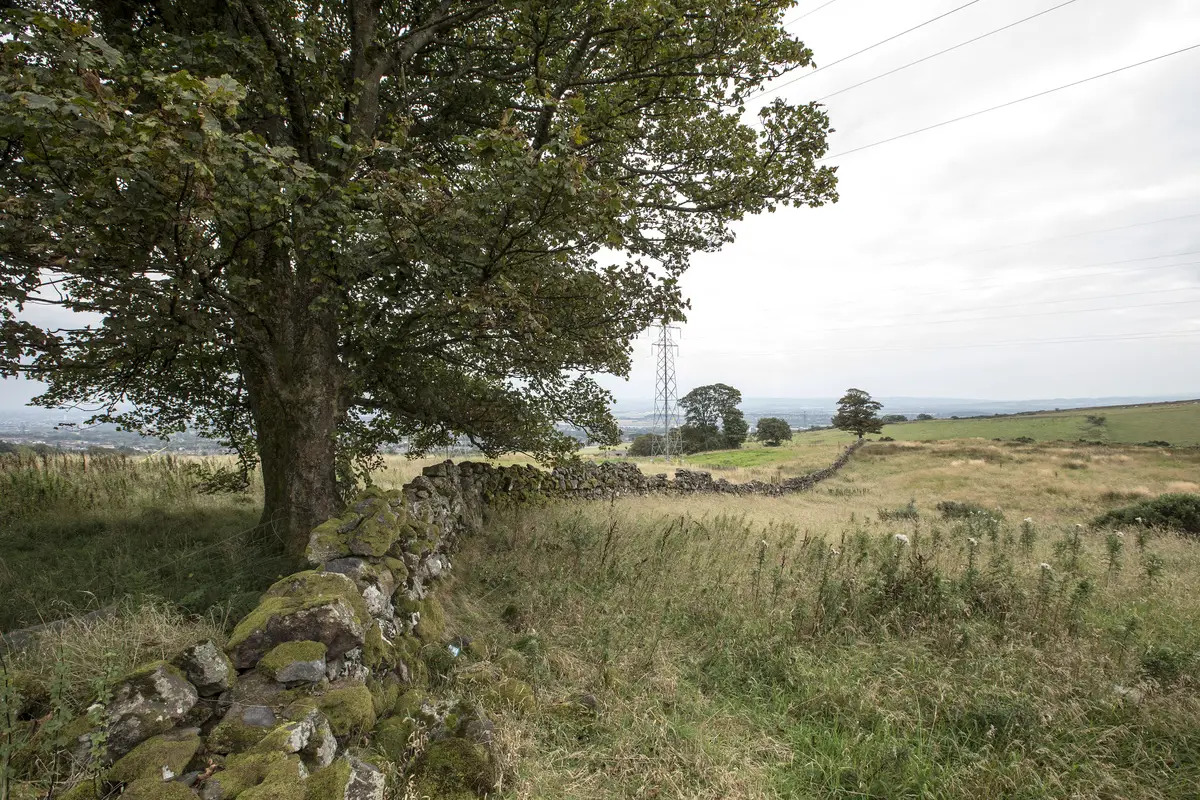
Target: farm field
1177,423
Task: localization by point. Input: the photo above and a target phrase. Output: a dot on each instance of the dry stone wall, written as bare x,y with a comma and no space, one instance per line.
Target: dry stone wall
333,657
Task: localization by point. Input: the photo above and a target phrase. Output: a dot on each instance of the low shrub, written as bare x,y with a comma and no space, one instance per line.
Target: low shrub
952,509
1179,512
908,512
1156,443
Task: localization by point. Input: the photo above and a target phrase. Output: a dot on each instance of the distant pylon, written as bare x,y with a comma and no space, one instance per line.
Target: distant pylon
666,395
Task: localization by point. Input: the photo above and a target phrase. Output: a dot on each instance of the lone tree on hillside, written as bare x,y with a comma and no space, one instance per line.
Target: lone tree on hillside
714,421
858,413
924,417
772,431
308,229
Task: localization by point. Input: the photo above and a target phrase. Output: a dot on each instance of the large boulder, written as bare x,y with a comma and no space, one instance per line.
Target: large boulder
308,606
347,779
148,702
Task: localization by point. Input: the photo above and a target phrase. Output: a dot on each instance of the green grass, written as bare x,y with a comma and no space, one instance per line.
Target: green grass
79,534
792,647
1177,423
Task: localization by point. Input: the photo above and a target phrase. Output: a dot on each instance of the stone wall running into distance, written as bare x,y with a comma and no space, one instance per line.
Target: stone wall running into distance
332,657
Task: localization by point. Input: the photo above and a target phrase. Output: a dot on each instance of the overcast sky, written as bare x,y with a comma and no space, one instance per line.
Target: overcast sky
916,283
879,290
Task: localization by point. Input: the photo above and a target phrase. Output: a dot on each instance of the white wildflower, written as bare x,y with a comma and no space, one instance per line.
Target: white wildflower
901,539
1029,520
1120,534
971,540
1046,567
835,551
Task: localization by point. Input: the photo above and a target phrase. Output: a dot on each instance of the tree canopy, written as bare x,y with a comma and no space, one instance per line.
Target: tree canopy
713,420
858,413
310,228
772,431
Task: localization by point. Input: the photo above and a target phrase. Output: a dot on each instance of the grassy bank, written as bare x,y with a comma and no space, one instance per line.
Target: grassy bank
81,533
796,647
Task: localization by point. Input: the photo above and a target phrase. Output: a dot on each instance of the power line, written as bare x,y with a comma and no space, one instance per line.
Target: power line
785,84
809,13
1011,102
1013,316
1043,302
1149,335
972,285
947,50
1059,237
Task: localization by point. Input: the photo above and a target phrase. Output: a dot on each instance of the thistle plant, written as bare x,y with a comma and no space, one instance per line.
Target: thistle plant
1028,535
1152,566
1114,543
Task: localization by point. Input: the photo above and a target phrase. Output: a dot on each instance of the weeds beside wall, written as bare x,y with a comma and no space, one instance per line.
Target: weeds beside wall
323,690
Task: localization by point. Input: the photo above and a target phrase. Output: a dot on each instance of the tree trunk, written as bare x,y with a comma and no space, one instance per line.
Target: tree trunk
294,392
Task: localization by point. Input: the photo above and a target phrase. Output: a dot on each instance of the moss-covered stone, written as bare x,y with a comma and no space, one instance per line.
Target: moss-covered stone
407,651
516,694
239,731
398,568
385,692
328,783
86,790
160,757
260,776
377,652
454,768
431,625
326,542
157,789
316,606
378,531
295,662
409,704
512,662
146,702
392,736
350,709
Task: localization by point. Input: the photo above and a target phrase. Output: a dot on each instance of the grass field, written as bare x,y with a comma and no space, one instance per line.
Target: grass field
794,647
1177,423
735,647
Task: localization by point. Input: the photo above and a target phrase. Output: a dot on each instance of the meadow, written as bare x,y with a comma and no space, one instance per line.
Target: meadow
853,641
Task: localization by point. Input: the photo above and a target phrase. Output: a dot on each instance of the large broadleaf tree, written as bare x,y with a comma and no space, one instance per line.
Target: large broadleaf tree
308,228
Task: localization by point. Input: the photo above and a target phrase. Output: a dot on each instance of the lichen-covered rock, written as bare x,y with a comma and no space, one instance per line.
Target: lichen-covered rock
207,668
242,727
455,768
157,789
258,776
347,779
308,606
378,530
305,732
328,540
148,702
295,662
162,757
349,708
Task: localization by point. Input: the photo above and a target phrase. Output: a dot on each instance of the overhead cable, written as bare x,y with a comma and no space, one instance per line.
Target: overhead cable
947,50
1011,103
785,84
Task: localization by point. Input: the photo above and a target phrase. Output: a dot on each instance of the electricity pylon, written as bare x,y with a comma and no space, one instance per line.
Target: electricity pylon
666,395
